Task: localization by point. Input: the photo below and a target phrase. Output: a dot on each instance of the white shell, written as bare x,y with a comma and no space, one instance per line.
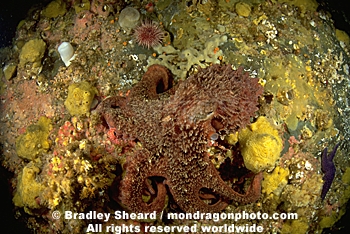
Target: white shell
67,52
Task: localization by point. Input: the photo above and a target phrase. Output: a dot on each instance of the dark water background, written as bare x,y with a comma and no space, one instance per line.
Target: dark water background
11,13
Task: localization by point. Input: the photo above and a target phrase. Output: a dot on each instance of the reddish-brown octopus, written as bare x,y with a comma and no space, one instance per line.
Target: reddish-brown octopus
173,127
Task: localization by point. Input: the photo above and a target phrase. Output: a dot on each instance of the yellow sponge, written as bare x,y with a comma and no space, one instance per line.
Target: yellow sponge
80,98
260,145
28,189
274,182
35,140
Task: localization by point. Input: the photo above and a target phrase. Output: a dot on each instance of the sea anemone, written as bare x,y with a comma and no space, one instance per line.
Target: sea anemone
148,34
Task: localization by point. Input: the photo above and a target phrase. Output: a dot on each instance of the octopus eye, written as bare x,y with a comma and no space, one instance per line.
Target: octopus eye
214,136
114,106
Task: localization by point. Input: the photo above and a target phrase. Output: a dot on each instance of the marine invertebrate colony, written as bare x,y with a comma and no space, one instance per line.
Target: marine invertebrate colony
173,126
35,140
80,97
148,34
261,145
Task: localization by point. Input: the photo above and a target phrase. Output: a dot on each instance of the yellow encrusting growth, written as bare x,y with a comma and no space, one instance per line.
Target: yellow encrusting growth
329,220
34,141
232,138
32,52
28,189
80,97
243,9
342,36
346,176
274,182
260,145
299,226
54,9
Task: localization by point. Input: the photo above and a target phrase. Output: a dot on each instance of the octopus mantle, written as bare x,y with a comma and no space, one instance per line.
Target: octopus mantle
173,127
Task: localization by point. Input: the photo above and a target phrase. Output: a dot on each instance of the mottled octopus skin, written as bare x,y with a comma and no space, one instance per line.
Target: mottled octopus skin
174,125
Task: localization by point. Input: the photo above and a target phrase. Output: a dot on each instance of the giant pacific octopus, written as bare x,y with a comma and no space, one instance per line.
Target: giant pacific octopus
173,127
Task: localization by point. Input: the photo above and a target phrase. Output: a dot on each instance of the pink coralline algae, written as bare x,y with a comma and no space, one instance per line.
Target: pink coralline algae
84,25
101,8
172,127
